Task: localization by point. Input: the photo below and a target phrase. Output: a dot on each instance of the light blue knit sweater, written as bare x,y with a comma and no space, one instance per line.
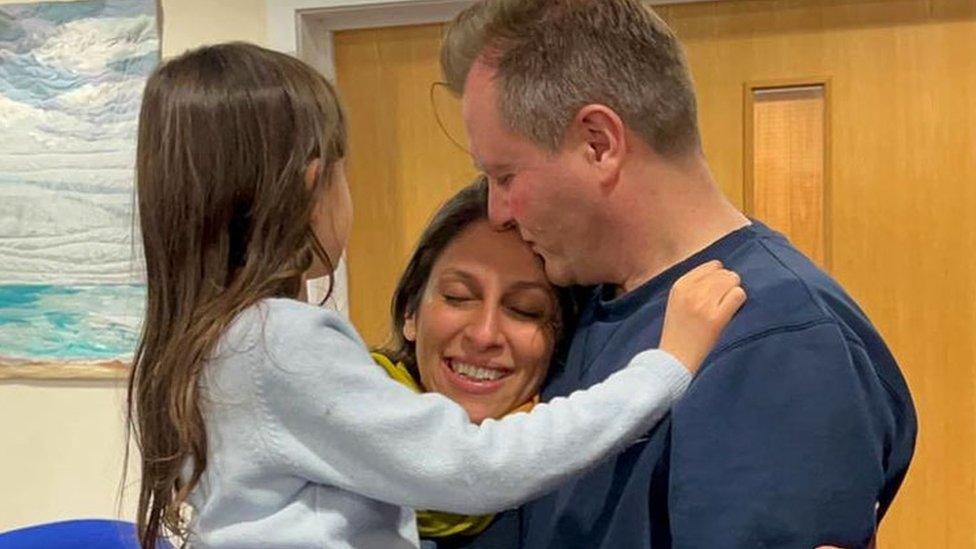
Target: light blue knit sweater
310,444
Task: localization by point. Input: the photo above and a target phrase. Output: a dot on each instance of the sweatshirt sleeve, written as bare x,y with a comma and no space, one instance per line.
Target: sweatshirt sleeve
332,416
811,475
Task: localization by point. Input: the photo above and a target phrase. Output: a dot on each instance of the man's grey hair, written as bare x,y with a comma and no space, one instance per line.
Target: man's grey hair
552,57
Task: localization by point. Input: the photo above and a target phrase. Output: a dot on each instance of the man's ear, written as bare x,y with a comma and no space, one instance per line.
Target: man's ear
312,173
604,138
410,328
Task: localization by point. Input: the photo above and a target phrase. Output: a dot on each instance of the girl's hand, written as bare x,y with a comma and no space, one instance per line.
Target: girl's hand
700,305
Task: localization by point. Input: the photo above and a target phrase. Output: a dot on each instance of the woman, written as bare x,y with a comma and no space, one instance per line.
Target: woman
472,294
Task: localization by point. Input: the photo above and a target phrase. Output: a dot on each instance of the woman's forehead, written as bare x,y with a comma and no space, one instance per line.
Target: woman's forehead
480,251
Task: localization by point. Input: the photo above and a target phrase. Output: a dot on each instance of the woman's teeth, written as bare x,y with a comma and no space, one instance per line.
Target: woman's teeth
474,372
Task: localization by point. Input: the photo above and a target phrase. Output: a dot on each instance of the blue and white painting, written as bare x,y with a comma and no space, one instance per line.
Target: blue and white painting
71,81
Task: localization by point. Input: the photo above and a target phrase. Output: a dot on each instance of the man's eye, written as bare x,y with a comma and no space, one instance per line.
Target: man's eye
500,181
455,298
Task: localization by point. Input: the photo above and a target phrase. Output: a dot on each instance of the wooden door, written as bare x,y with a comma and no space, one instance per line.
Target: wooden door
898,187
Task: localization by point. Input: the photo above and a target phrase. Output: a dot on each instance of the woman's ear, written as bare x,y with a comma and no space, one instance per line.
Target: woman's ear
410,328
312,173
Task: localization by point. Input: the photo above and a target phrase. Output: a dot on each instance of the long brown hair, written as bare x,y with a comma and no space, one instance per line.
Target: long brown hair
226,134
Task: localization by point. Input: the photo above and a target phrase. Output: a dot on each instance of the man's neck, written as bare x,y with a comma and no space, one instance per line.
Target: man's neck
667,214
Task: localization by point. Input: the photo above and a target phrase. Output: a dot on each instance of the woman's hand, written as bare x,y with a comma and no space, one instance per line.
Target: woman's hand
700,305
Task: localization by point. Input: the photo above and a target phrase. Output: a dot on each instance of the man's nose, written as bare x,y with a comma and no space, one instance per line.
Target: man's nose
499,212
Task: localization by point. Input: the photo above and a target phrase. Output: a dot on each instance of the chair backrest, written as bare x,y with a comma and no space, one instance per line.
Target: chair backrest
76,534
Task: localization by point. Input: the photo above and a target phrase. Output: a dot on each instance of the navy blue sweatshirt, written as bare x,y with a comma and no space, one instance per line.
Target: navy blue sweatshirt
797,431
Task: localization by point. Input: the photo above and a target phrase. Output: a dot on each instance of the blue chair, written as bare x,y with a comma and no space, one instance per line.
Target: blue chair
76,534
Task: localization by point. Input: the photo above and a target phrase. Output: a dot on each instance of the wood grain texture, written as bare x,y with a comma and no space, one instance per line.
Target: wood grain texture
785,148
21,370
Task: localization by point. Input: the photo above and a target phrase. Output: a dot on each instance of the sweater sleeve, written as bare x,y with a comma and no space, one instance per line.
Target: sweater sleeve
334,417
811,475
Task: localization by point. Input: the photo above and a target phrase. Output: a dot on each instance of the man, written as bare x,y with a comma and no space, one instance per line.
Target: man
799,429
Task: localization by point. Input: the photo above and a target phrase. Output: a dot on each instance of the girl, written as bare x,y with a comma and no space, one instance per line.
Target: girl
266,415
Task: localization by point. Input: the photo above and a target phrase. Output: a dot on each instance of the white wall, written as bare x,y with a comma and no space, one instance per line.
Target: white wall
191,23
61,443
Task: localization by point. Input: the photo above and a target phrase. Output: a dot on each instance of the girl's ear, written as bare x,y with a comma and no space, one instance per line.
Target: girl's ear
410,328
312,173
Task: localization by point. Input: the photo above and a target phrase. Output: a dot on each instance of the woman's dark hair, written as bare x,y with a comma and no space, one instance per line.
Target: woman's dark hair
468,206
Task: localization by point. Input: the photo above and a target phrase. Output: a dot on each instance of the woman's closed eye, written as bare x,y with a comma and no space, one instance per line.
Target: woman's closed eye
456,299
527,306
528,313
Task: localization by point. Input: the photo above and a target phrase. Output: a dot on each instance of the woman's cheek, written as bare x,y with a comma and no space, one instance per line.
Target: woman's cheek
444,319
540,339
533,345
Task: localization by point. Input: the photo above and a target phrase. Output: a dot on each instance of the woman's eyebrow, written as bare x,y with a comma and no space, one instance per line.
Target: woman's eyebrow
463,275
529,285
468,278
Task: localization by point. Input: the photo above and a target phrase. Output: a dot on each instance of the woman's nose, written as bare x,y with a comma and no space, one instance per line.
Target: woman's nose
484,330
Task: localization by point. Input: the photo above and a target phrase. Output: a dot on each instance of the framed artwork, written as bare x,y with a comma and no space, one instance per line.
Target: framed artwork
71,276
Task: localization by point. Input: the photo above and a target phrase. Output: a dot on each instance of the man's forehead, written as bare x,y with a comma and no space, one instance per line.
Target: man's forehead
479,100
481,75
483,138
489,139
